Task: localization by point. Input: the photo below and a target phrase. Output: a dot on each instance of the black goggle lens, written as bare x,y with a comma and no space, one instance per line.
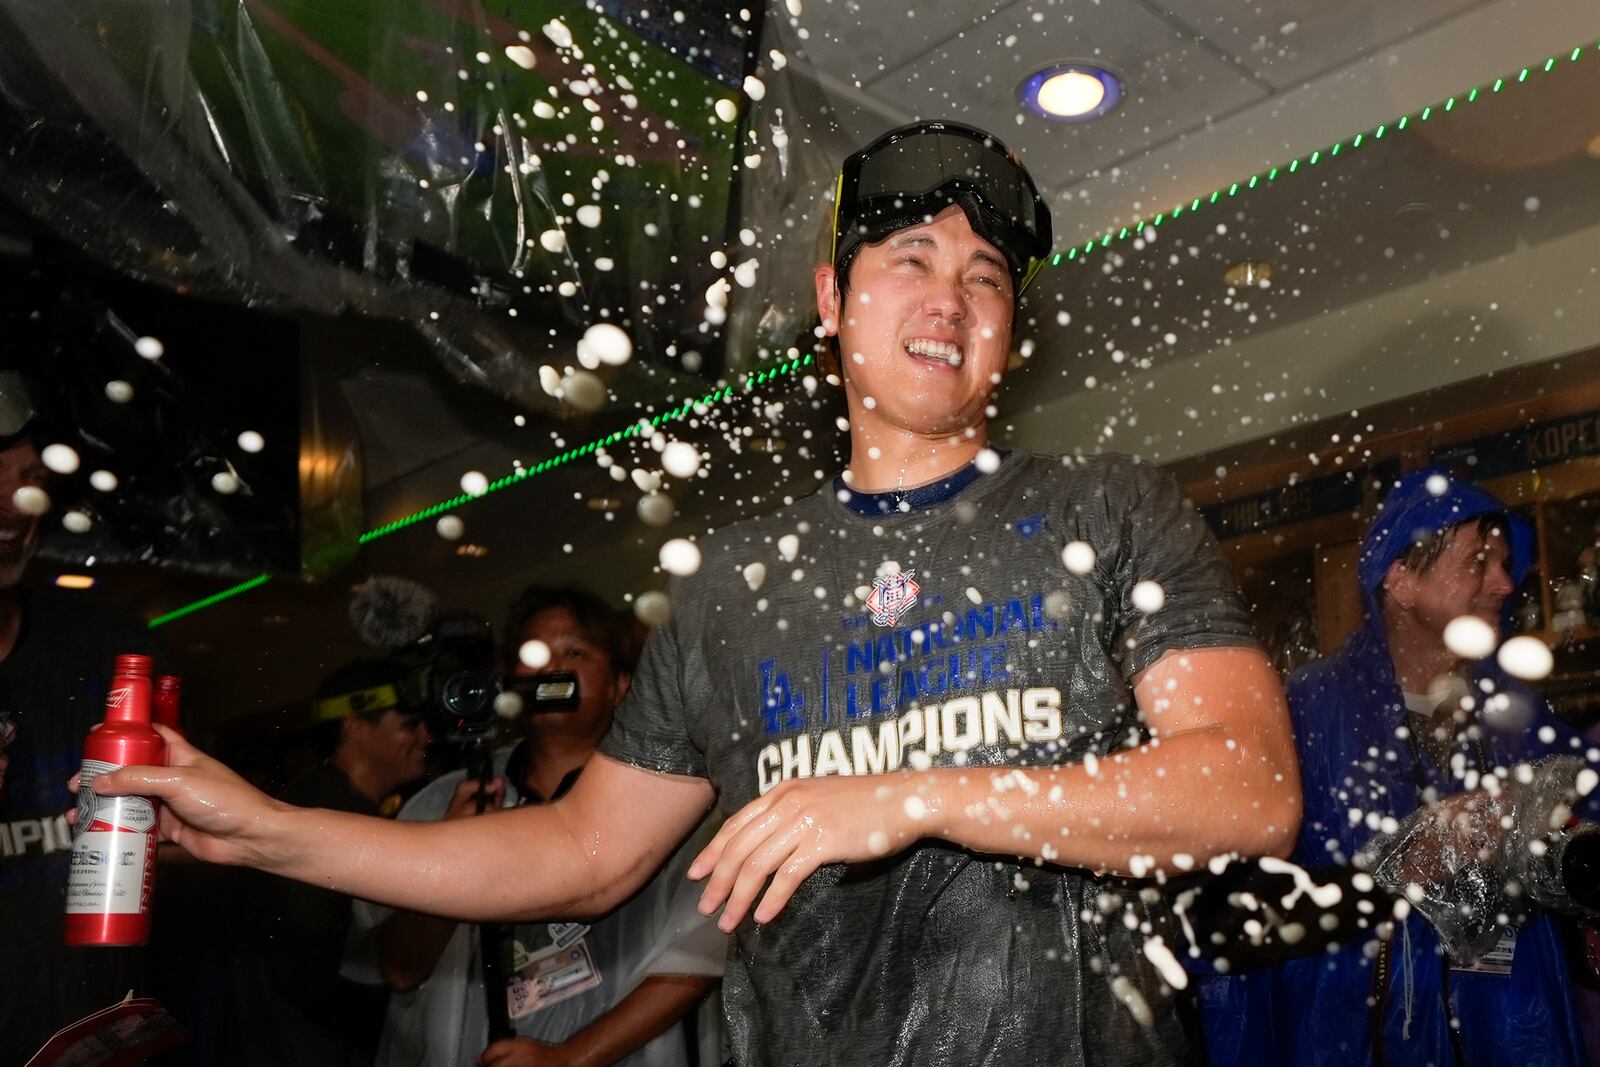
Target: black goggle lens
911,174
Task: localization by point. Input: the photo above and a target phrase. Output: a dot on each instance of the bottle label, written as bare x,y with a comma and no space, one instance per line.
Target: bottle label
113,850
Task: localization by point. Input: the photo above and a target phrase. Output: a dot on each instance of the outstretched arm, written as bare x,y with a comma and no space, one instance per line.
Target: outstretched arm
1219,775
575,858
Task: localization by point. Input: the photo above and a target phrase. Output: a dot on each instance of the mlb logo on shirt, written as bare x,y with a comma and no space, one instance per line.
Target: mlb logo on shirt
892,596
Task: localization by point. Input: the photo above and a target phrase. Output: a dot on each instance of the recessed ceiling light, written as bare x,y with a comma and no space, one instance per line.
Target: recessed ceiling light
1248,273
75,581
1594,146
603,503
1071,92
472,551
768,444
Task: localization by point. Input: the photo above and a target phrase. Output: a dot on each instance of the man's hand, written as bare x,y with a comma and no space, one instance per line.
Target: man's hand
211,812
464,804
798,827
1438,841
523,1052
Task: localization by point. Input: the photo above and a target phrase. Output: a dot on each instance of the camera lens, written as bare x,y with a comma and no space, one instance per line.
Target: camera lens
469,695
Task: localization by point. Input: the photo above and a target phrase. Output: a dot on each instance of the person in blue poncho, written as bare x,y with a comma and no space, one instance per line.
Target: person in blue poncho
1380,734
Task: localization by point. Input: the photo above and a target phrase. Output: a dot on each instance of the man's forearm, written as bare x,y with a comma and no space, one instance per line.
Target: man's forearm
638,1019
520,864
1170,804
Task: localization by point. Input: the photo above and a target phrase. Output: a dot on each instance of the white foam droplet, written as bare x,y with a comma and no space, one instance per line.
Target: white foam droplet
225,482
1078,557
754,88
584,391
745,273
550,380
1172,972
63,459
508,705
1148,597
646,481
655,509
1527,658
1437,484
149,348
1469,637
589,215
557,32
608,343
104,481
1585,782
988,460
717,294
118,391
754,575
474,483
653,608
680,459
916,809
450,527
726,109
543,109
553,240
680,556
534,655
521,55
788,547
1133,1000
251,441
76,522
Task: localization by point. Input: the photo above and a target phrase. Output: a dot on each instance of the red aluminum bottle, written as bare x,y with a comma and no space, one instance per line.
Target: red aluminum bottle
114,841
168,701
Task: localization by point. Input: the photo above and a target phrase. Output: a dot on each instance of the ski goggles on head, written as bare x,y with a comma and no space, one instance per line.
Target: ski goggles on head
910,174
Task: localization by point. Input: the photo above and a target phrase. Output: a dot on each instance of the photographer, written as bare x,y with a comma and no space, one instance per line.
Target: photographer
610,991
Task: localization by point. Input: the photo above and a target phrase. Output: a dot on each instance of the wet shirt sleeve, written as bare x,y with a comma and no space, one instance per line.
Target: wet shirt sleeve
1164,540
652,728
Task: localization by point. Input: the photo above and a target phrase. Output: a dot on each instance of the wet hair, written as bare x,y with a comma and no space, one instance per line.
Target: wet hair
618,636
1423,554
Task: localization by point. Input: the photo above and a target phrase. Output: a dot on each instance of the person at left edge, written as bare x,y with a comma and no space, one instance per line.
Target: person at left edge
287,1002
56,653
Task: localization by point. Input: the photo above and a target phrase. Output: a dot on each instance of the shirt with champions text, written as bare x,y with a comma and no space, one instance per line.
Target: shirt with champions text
821,641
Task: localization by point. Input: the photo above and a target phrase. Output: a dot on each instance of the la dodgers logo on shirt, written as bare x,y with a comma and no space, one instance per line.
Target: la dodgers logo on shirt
892,596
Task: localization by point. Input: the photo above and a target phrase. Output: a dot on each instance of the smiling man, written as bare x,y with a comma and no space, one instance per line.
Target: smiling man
980,696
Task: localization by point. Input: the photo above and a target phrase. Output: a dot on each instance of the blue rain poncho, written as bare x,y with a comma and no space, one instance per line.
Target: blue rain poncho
1356,772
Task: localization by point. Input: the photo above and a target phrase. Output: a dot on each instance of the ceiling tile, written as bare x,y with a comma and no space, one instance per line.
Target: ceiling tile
1286,42
861,40
1173,84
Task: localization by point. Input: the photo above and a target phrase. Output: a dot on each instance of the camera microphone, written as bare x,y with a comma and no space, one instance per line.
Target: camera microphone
391,613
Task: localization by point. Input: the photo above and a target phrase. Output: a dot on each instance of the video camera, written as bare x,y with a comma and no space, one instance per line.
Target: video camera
456,681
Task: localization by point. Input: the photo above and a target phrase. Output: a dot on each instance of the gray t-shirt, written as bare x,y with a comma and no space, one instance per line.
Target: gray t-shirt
658,931
801,649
